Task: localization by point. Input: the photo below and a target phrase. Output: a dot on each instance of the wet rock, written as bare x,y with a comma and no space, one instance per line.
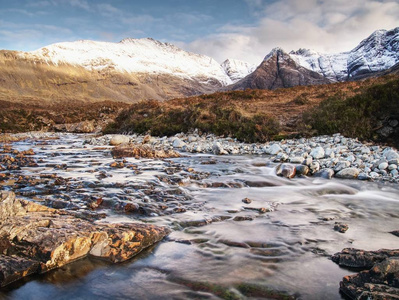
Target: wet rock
302,170
118,140
380,282
51,238
395,232
144,151
341,227
325,173
246,200
355,258
348,173
13,268
243,218
286,170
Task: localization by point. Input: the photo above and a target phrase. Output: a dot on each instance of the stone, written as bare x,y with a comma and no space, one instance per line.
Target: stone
380,282
383,166
118,140
392,167
274,149
296,160
314,167
178,143
286,170
390,155
341,165
325,173
35,238
246,200
342,228
317,153
302,170
363,176
307,161
348,173
144,151
361,259
85,127
217,149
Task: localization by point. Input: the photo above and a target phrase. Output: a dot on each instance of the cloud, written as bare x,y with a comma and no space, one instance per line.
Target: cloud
323,25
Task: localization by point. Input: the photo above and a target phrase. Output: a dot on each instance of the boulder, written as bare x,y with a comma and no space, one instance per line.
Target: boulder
348,173
325,173
36,239
286,170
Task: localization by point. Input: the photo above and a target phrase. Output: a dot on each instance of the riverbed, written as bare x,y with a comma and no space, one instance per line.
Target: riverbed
238,230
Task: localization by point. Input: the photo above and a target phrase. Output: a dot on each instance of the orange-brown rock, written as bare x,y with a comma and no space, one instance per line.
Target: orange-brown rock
34,238
144,151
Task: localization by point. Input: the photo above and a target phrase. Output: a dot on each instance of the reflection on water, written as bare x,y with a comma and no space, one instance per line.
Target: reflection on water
220,247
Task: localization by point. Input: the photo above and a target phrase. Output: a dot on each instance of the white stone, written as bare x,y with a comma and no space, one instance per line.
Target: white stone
274,149
178,143
119,139
317,152
383,166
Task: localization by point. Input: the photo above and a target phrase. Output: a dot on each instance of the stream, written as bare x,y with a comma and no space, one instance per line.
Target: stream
238,230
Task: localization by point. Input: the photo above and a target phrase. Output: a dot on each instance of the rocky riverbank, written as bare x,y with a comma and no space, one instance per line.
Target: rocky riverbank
324,156
36,239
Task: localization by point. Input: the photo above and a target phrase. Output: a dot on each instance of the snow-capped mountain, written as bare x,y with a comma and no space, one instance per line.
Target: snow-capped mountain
378,52
279,70
237,69
134,56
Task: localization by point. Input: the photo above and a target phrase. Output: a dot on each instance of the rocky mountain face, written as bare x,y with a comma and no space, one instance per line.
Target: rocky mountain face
279,70
237,69
378,52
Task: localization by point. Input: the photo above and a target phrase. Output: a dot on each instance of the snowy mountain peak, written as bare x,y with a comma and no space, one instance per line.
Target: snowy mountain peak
273,52
134,56
237,69
379,51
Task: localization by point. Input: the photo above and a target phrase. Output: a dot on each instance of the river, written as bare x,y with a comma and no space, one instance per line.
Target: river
276,246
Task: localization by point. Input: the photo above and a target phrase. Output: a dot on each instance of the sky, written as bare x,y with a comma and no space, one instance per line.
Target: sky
239,29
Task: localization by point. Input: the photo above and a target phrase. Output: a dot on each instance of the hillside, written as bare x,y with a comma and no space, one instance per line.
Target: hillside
250,115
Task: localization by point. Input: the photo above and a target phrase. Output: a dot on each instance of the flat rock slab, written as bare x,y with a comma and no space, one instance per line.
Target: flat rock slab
380,278
36,239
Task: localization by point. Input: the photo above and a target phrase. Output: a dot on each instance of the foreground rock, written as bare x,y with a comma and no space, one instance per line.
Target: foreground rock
380,278
36,239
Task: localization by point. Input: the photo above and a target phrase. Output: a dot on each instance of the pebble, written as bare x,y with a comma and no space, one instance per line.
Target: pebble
344,156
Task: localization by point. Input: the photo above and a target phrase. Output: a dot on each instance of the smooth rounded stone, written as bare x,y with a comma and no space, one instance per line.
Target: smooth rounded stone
383,166
119,139
302,170
296,160
178,143
274,149
367,170
282,157
314,167
286,170
348,173
363,176
394,161
317,152
394,172
325,173
390,154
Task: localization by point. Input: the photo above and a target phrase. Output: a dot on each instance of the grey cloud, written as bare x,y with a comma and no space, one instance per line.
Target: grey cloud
322,25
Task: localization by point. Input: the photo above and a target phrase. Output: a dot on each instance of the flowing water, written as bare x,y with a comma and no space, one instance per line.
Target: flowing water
220,247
